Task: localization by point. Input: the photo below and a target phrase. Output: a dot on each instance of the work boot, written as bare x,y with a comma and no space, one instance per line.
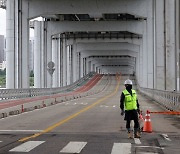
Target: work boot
137,135
130,135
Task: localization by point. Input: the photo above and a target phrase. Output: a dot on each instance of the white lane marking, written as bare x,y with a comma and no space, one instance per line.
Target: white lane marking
74,147
166,137
106,106
27,146
121,148
147,153
137,141
148,147
0,141
21,130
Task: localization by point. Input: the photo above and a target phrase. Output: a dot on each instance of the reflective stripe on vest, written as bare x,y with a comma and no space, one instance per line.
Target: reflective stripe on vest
130,101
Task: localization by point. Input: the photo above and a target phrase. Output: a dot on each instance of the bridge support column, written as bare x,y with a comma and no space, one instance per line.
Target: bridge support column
94,67
159,38
88,66
64,54
48,54
82,67
39,55
59,63
170,45
10,44
150,46
61,60
79,64
177,34
71,58
55,58
75,63
69,64
17,41
144,55
140,64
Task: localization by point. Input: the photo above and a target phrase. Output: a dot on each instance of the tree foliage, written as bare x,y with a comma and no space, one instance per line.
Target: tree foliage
3,72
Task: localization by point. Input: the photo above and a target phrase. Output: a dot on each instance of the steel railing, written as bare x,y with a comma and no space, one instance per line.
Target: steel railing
169,99
31,92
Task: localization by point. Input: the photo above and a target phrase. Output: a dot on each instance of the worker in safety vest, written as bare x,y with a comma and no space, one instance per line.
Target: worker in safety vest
130,106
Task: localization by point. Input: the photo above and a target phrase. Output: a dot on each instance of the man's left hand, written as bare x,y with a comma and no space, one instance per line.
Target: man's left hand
122,112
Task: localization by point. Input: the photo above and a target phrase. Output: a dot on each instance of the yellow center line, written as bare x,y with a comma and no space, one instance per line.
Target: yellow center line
72,116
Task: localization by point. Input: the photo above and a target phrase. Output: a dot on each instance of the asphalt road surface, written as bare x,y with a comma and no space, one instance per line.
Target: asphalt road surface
89,125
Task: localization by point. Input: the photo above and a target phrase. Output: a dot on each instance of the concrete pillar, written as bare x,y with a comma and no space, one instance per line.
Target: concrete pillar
75,63
170,45
10,44
85,66
23,55
64,62
59,63
150,45
17,44
159,57
48,55
37,55
43,55
94,68
55,60
61,60
71,64
145,61
177,34
79,65
141,64
89,67
68,64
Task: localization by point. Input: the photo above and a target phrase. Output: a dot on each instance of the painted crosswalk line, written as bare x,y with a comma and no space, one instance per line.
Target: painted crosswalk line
27,146
165,136
137,141
74,147
121,148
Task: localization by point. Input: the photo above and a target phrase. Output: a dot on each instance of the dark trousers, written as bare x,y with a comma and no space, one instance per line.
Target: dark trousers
136,124
132,115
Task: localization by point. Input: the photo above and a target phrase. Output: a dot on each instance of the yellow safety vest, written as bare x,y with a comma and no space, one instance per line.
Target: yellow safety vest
130,101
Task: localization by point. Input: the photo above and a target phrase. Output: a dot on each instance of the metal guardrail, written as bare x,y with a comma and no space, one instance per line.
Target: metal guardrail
169,99
31,92
3,4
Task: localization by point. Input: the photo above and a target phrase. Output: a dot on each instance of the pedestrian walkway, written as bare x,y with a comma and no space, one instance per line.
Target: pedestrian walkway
78,146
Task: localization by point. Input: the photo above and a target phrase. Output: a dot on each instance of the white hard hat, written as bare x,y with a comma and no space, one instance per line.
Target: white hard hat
128,82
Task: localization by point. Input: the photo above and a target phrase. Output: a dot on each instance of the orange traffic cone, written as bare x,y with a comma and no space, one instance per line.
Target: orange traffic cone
147,123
